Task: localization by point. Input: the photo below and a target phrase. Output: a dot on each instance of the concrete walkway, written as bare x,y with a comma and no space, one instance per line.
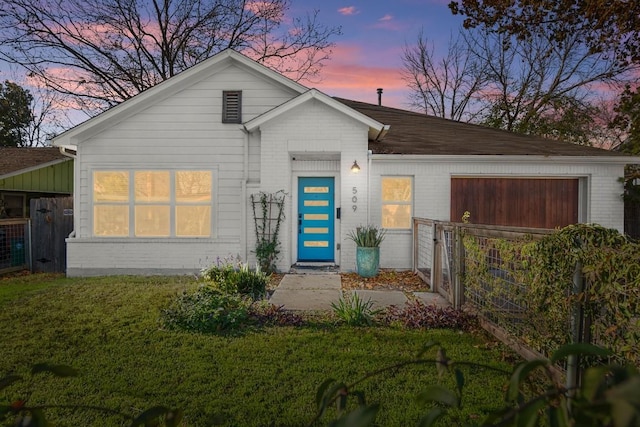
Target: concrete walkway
316,292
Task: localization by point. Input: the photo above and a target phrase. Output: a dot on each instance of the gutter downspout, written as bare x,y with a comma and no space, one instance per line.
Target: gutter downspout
243,194
369,153
64,152
381,134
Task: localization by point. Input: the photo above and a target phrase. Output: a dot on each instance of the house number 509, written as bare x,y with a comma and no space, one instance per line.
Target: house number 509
354,199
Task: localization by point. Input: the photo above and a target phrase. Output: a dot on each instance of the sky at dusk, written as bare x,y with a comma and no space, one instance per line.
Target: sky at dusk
369,51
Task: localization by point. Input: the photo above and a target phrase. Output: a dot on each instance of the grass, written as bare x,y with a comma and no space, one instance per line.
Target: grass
20,285
108,329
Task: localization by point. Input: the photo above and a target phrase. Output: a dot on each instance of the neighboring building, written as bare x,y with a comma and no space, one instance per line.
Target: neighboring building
163,180
31,173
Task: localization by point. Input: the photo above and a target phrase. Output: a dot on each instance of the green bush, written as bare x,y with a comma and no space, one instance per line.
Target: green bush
206,310
237,278
355,311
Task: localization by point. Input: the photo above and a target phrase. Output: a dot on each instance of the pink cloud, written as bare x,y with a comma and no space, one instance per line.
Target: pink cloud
345,76
387,22
263,8
348,10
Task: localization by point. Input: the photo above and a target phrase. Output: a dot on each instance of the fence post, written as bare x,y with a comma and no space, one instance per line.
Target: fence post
436,263
459,273
28,241
415,245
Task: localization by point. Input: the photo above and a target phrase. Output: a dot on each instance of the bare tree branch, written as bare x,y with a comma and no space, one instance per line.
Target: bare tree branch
102,52
532,80
449,86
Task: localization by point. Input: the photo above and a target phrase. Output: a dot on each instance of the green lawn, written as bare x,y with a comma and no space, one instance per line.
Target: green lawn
108,329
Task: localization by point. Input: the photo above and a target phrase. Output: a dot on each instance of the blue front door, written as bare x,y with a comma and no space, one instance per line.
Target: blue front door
315,219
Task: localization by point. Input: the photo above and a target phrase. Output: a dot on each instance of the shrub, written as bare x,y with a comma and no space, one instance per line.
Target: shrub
249,282
355,311
417,315
206,310
267,314
237,278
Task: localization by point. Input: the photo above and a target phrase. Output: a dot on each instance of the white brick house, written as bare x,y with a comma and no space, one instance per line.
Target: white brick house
163,180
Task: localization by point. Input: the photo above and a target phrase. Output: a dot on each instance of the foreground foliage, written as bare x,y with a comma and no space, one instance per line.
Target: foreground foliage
608,396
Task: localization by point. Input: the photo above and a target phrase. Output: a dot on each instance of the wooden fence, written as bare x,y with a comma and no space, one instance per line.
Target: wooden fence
51,224
438,252
486,269
632,219
440,259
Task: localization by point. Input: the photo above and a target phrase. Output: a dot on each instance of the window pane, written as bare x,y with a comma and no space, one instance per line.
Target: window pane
152,221
396,216
112,186
193,186
152,186
111,220
396,189
193,221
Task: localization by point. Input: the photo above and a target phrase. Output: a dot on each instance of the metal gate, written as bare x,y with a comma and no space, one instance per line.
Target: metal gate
51,224
14,245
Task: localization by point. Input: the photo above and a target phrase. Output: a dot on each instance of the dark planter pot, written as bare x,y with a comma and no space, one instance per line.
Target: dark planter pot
367,261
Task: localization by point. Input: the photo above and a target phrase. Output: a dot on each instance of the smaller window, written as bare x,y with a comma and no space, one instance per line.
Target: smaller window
397,200
232,106
12,206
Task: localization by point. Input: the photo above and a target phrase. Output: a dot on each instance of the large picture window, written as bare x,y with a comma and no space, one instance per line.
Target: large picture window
397,202
152,203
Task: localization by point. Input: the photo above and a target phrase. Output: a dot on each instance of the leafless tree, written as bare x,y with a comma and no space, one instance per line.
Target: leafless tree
102,52
535,80
535,85
50,117
448,86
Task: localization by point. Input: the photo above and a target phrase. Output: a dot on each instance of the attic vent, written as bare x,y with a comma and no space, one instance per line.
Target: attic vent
232,106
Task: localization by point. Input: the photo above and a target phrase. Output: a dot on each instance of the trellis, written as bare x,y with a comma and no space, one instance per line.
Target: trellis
268,214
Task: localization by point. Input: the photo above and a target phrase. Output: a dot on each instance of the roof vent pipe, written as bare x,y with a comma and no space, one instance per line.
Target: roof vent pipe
379,96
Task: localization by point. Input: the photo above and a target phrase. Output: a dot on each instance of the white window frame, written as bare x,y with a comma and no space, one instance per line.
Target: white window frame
384,203
173,203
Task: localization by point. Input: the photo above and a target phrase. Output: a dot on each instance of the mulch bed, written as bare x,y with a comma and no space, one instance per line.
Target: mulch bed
406,281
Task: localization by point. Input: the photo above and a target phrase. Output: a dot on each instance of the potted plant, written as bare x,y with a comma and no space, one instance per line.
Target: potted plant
367,239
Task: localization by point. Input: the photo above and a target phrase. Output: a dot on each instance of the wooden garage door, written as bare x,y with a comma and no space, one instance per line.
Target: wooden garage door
518,202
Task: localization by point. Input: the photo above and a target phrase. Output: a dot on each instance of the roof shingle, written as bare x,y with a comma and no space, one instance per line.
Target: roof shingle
14,159
415,133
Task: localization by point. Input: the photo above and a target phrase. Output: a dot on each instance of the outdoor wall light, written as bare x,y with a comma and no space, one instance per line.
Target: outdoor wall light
355,168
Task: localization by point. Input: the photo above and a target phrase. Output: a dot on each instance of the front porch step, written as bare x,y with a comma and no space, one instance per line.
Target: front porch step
314,268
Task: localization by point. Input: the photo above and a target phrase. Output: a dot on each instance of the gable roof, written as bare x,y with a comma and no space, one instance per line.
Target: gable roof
162,90
416,133
15,161
376,129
